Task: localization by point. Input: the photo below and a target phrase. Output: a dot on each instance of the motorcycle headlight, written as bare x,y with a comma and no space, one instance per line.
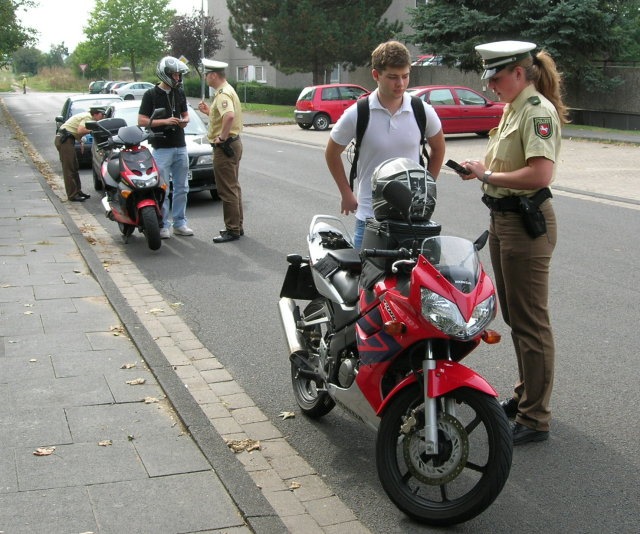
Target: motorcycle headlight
150,180
206,159
446,317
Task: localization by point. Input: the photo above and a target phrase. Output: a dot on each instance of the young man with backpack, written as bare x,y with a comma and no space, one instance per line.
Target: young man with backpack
393,130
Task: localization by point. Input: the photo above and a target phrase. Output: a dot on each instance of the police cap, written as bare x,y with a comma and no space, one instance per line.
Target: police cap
497,55
211,65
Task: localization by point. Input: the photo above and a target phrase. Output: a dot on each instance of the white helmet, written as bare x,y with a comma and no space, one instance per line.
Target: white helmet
415,177
169,65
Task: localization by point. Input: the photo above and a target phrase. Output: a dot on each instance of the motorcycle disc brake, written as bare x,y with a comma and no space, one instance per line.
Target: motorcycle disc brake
441,468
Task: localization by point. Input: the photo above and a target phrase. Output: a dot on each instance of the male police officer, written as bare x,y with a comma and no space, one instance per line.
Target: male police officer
225,125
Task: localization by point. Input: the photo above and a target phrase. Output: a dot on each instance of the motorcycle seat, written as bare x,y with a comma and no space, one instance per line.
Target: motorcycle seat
347,258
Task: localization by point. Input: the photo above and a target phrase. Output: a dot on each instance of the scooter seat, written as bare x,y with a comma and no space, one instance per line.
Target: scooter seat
347,258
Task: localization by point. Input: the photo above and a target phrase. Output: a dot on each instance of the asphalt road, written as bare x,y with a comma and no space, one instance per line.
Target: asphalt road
584,479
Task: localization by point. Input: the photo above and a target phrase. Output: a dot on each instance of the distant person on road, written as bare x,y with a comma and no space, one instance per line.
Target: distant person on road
392,132
71,131
170,150
24,85
516,173
225,125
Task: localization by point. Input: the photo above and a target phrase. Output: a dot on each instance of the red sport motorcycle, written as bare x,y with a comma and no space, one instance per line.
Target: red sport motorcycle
382,333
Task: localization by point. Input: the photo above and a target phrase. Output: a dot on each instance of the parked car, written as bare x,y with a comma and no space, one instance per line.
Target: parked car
106,88
201,177
132,90
461,109
322,105
78,104
96,86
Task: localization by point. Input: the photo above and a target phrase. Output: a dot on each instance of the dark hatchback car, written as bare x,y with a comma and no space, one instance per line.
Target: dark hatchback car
201,177
461,110
79,104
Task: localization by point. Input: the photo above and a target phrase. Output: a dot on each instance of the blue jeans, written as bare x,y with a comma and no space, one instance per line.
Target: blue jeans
358,234
174,166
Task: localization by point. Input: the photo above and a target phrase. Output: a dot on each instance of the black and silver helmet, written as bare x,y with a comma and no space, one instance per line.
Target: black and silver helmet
169,65
415,177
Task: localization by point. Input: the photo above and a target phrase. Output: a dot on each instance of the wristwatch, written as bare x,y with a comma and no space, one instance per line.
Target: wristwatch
485,176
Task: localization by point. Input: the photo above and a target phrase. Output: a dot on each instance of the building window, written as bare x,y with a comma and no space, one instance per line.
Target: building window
250,73
421,3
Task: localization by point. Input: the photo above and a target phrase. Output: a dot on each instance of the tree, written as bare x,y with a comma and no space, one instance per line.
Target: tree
131,30
26,61
57,56
13,35
184,38
311,35
575,32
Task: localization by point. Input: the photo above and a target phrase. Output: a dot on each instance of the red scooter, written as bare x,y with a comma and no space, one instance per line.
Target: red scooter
382,334
134,187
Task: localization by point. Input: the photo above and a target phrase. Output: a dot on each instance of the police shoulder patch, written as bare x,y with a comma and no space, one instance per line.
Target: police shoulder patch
542,126
535,100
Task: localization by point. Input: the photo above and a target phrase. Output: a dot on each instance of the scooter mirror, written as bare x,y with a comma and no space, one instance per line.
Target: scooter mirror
399,196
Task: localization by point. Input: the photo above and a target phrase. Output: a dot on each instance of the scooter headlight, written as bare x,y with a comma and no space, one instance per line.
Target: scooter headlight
149,180
445,315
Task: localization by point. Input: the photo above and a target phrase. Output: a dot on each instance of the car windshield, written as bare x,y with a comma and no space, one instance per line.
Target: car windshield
80,106
195,126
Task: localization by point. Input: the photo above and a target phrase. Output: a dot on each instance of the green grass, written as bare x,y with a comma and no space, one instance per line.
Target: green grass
270,109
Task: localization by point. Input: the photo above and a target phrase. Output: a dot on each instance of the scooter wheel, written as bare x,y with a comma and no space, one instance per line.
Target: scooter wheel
151,227
468,471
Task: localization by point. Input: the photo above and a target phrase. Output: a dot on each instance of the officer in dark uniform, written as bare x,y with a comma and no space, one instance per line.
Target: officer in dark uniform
516,173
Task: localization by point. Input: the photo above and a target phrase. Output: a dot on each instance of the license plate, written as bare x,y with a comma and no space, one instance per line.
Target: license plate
189,175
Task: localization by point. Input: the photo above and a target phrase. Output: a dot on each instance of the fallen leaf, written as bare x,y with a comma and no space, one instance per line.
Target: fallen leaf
156,310
130,437
44,451
28,313
78,271
105,443
136,381
239,445
150,400
33,360
294,485
176,304
287,415
128,366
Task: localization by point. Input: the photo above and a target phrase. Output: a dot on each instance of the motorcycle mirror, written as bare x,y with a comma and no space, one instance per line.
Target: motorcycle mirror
479,243
399,196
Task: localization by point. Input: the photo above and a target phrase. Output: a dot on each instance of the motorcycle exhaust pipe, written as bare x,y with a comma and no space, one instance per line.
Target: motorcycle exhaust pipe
287,308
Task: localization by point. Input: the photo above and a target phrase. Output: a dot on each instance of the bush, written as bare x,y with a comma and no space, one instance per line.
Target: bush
253,92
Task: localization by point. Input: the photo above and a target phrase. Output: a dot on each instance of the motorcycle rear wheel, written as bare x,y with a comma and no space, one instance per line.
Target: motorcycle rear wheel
151,227
468,473
312,402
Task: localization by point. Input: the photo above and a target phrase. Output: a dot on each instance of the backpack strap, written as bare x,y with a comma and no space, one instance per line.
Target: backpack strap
361,126
363,120
421,119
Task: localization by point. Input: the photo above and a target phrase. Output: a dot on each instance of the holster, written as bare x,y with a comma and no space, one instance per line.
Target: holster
532,218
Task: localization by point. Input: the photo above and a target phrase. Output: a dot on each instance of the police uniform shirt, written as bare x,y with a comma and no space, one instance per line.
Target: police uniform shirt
225,100
529,128
74,122
175,102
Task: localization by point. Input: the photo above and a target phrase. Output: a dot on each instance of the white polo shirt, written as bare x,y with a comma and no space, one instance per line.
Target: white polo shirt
387,136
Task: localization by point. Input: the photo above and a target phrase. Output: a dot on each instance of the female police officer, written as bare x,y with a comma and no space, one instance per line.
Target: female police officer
515,175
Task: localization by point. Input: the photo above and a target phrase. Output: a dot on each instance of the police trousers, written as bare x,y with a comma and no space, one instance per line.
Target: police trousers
521,271
226,170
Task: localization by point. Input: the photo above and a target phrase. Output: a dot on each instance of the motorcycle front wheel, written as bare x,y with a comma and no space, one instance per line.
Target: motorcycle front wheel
151,227
471,466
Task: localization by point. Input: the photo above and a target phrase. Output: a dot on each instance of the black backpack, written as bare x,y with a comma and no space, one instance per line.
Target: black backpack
363,121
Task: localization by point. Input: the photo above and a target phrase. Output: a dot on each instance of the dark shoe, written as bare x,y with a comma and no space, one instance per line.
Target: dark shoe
77,198
510,407
523,434
84,195
225,231
226,236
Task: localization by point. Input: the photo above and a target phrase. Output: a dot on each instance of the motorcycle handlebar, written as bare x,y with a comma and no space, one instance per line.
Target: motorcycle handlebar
401,253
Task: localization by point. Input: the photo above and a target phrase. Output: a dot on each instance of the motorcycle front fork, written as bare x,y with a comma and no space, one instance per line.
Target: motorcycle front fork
431,405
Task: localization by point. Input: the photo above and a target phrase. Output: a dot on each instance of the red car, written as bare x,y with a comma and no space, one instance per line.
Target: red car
322,105
461,110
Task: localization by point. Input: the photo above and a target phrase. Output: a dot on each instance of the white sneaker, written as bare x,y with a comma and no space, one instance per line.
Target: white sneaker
165,233
183,230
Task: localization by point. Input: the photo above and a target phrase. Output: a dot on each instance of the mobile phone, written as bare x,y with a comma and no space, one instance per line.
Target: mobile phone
457,167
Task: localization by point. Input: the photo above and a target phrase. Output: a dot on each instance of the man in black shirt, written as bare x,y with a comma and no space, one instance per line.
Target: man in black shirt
170,149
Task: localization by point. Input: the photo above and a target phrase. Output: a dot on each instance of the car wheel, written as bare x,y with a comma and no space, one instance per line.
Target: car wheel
129,97
97,181
305,126
321,121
